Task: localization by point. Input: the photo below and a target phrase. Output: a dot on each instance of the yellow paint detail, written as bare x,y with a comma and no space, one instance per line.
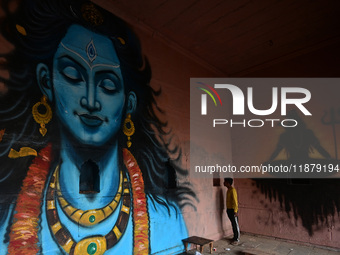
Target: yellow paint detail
68,245
122,41
21,29
81,247
55,228
63,202
23,152
108,211
69,210
52,185
50,204
84,218
117,199
117,232
76,216
125,209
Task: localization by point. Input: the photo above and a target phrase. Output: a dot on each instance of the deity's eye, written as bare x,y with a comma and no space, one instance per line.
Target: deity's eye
72,74
108,85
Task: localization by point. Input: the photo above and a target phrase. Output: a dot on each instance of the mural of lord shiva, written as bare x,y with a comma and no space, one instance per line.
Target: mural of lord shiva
87,166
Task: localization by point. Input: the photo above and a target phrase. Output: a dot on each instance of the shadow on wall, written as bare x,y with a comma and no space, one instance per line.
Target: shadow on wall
310,199
313,200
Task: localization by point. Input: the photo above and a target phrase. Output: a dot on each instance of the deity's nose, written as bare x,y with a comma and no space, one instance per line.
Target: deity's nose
89,101
90,105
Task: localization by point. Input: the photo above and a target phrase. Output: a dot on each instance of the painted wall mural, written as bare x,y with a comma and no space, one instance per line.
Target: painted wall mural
85,165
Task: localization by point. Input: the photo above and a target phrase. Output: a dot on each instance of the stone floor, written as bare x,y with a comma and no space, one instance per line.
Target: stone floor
259,245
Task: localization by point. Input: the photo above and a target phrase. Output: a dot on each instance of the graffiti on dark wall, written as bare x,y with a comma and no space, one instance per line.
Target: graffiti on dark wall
312,200
85,164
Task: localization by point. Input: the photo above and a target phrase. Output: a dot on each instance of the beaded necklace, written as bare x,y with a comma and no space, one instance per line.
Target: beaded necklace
88,217
94,245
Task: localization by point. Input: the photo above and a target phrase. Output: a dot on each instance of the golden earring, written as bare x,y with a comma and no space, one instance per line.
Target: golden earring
128,129
42,118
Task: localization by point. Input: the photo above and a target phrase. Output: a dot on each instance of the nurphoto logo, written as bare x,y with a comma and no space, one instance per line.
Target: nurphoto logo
238,99
301,97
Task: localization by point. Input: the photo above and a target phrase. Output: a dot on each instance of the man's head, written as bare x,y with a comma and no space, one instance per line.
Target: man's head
228,182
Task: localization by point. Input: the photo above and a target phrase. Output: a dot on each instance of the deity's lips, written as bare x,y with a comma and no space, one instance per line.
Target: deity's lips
90,120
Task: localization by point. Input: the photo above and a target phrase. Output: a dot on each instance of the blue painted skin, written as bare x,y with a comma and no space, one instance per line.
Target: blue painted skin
87,87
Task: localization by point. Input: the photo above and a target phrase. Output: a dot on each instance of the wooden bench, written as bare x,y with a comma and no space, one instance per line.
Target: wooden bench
198,241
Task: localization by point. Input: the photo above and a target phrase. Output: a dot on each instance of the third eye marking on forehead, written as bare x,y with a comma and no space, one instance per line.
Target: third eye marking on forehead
89,64
91,51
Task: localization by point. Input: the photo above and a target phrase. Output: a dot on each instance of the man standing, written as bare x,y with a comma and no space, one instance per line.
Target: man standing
232,209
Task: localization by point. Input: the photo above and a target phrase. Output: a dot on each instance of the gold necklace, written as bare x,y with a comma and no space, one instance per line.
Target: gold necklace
88,217
94,245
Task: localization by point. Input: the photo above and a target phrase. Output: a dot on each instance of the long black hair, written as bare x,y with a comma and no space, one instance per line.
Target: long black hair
35,29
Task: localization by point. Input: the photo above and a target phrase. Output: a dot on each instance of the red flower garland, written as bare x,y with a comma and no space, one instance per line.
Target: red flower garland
140,210
25,227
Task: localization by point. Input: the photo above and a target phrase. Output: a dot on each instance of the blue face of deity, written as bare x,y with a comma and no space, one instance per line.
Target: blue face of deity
88,86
